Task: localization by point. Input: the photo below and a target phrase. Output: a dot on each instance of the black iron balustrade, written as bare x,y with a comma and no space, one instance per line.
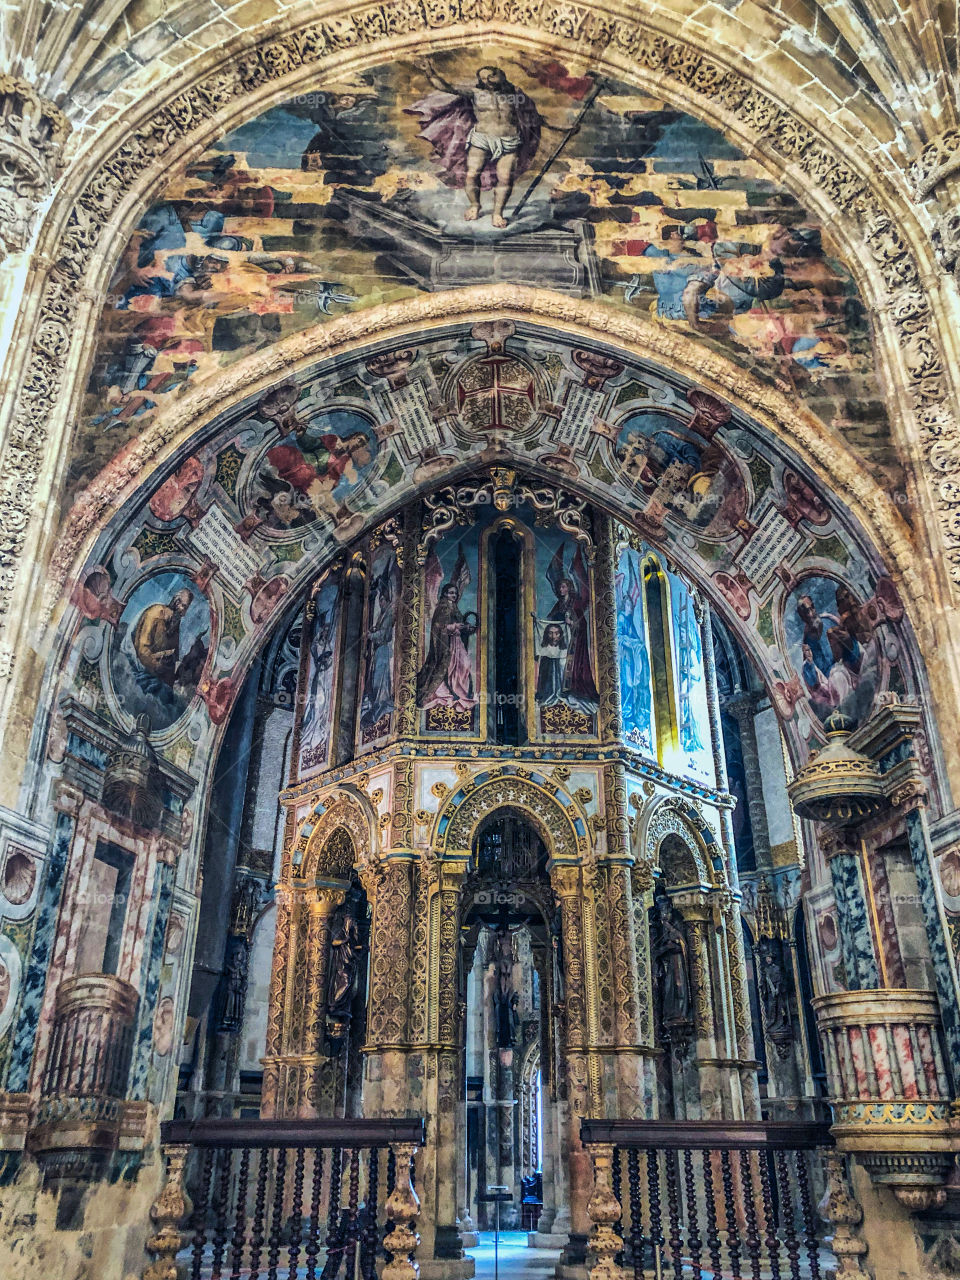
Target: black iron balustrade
322,1198
730,1199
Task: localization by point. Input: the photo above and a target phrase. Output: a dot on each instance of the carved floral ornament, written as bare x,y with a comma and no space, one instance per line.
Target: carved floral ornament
622,43
555,816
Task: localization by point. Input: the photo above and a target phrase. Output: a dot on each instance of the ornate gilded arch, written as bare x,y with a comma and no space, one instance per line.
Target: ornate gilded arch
541,799
676,818
337,825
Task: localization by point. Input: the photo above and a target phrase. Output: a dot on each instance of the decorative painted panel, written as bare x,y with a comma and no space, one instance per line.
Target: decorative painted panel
636,693
565,650
450,676
319,676
694,757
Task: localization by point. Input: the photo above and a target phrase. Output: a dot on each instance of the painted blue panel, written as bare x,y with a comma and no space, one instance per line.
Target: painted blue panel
636,690
34,982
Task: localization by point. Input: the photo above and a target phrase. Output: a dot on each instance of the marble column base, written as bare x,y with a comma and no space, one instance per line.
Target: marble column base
447,1269
571,1271
547,1239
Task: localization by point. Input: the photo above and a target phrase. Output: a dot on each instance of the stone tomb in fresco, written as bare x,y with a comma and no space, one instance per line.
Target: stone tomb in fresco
368,191
352,441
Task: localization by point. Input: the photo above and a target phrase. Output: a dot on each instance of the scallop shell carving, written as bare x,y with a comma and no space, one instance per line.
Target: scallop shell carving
19,878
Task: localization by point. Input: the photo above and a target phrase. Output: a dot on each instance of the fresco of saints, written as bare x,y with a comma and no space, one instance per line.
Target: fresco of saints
309,473
318,709
483,135
377,700
841,657
571,610
635,686
446,677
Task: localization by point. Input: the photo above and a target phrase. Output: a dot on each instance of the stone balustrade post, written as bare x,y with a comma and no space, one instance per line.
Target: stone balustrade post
169,1211
402,1208
604,1209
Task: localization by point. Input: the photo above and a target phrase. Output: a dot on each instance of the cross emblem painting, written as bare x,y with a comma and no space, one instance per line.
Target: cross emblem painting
496,393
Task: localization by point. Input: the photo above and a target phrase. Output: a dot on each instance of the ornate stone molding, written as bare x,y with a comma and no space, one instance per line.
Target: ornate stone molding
938,160
32,134
682,71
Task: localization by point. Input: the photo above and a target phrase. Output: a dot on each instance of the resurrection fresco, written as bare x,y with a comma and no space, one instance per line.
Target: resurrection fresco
350,442
477,166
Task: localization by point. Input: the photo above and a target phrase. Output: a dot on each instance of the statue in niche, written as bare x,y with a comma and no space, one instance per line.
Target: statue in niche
772,989
346,948
506,1000
234,989
673,972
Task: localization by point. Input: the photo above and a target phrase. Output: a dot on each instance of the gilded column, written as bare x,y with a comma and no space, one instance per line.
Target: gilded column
269,1105
567,884
388,1012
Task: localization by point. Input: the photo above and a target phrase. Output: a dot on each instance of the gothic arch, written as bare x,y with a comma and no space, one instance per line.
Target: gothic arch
684,73
543,801
338,813
680,820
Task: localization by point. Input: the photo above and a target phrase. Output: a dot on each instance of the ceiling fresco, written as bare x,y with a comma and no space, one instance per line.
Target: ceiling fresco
369,191
182,590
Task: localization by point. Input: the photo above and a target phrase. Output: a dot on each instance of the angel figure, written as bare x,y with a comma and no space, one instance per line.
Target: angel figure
446,677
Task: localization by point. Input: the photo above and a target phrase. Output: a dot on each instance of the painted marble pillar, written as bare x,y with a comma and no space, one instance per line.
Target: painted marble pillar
856,939
67,801
748,1104
744,711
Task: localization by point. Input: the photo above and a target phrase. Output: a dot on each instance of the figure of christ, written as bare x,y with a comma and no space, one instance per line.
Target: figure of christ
482,135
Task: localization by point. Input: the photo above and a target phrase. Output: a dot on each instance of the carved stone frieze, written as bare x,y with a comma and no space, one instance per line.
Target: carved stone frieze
32,134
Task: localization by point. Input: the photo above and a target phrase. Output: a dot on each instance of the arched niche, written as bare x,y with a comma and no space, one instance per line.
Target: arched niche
335,838
536,798
679,842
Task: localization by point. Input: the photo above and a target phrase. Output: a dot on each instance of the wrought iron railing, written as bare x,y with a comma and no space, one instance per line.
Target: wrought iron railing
729,1199
322,1198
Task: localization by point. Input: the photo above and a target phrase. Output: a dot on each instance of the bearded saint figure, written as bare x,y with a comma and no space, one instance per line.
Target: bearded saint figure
446,677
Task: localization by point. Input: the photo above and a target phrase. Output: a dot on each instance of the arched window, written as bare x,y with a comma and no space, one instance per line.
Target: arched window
506,557
657,601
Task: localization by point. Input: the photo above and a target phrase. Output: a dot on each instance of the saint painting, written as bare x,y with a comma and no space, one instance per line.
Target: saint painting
636,698
837,646
310,472
483,135
376,703
161,648
318,707
564,661
446,678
